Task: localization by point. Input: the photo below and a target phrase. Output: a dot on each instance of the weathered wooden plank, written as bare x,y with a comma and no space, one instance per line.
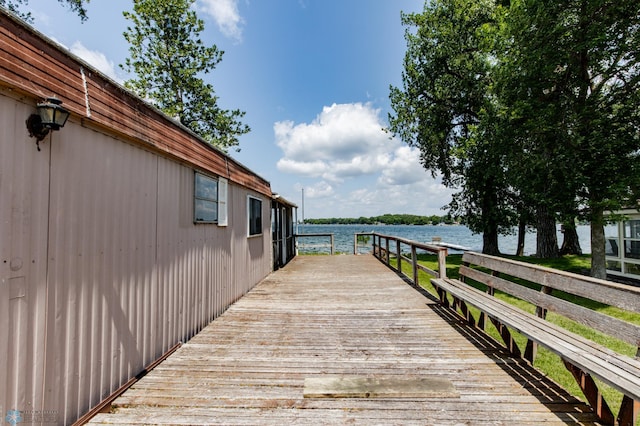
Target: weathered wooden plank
286,414
350,386
622,330
305,321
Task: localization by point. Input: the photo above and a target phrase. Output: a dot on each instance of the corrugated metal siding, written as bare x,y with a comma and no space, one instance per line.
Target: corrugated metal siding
101,265
24,199
114,270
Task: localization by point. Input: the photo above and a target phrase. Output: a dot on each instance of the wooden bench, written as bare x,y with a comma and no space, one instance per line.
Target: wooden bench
583,357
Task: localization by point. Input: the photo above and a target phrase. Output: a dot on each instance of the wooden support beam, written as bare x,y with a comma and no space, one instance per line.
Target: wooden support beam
592,393
443,297
629,412
531,350
509,342
414,265
483,316
466,313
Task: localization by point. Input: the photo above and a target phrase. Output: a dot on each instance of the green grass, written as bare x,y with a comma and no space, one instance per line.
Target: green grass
546,361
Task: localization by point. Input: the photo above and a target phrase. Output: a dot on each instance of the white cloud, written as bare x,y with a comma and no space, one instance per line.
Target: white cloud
354,168
312,168
344,140
404,168
226,15
321,189
424,197
95,58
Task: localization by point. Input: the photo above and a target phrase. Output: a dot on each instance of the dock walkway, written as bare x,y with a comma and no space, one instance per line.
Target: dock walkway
342,340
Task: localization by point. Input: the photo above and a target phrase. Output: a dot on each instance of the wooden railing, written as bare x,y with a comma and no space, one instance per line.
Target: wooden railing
330,235
361,240
386,247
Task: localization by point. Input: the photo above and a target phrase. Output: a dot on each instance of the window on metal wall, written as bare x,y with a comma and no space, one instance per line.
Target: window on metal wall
254,209
632,239
210,200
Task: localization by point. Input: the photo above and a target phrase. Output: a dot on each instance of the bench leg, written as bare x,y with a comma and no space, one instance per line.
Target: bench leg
507,338
629,412
443,297
531,351
466,314
592,393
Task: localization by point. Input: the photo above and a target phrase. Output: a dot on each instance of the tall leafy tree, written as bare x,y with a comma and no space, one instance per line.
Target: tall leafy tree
446,108
15,6
571,86
169,59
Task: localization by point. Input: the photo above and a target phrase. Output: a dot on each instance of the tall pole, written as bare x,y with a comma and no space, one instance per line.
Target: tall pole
302,205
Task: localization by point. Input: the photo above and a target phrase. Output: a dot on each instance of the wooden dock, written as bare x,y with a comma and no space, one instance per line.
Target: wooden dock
280,354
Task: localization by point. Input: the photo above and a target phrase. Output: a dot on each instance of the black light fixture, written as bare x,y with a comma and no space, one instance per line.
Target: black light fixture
51,116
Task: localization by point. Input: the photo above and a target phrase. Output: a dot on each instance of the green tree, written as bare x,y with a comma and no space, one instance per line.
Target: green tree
570,84
446,108
14,6
169,59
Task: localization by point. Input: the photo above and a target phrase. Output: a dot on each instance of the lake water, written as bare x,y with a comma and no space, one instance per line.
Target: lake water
452,234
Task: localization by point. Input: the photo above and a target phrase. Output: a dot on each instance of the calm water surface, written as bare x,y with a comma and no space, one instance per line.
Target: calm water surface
453,234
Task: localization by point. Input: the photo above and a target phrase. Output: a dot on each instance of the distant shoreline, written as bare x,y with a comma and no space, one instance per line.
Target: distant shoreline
386,219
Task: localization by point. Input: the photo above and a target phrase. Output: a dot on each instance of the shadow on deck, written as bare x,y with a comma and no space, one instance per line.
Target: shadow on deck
342,316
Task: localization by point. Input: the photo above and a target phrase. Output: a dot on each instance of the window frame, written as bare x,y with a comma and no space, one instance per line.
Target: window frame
250,228
626,261
217,203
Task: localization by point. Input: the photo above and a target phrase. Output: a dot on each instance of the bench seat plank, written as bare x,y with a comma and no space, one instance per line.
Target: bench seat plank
618,371
521,320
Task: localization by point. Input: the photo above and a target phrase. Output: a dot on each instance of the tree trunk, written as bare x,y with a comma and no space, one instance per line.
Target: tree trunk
570,240
490,241
522,232
489,224
547,239
598,262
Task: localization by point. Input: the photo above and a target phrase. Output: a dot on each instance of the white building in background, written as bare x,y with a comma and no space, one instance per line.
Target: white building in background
623,245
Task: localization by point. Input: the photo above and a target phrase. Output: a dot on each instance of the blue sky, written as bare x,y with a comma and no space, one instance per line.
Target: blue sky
313,77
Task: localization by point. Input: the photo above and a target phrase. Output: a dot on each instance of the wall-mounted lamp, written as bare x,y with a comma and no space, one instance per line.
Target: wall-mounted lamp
51,116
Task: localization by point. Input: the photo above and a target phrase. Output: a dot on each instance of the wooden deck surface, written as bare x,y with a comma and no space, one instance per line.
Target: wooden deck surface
341,316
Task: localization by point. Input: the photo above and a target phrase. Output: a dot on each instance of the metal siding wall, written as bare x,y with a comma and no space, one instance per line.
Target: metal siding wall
203,268
24,199
101,266
254,258
127,273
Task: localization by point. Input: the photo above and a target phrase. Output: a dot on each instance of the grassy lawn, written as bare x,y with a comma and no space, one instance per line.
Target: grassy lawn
546,361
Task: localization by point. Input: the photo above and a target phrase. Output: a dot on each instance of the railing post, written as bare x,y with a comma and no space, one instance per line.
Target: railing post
414,264
387,252
355,243
332,247
374,245
442,263
399,256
